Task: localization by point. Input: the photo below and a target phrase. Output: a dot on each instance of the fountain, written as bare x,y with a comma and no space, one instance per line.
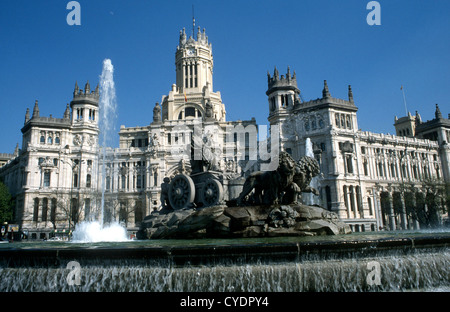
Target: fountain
269,247
96,231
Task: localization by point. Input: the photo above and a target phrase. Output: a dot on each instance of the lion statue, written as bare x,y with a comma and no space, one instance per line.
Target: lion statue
269,185
306,169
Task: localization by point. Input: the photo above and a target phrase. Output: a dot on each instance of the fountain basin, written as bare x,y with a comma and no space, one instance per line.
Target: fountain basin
200,252
407,261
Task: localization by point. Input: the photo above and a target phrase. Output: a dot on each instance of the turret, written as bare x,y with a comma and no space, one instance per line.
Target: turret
194,62
282,91
84,105
282,83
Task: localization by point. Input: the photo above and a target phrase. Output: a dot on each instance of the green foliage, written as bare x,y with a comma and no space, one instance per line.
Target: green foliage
6,204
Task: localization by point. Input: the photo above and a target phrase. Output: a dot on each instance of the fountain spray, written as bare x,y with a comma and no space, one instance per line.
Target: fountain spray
107,108
96,231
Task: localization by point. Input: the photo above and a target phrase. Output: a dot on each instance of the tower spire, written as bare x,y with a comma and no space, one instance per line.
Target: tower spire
350,93
35,109
326,91
77,89
27,115
438,113
67,112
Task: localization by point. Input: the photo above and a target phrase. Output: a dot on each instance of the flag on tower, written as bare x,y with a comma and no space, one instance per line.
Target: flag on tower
185,98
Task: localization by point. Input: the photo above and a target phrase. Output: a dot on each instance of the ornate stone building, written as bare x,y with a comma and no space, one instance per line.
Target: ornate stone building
56,175
371,180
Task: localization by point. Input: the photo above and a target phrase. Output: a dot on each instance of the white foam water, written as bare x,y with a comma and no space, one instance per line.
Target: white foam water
94,232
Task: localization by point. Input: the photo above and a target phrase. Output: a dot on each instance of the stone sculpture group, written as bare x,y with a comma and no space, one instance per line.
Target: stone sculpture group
268,205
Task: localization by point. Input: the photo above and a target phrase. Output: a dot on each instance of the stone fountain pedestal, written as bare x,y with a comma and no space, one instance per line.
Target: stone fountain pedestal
242,222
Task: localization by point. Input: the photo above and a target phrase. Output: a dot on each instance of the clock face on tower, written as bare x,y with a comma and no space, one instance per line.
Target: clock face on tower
190,52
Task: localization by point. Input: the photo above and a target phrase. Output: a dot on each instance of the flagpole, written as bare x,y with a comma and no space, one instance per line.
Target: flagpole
404,100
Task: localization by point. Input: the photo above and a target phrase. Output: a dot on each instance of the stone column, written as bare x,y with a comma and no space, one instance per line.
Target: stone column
377,207
404,221
415,222
392,224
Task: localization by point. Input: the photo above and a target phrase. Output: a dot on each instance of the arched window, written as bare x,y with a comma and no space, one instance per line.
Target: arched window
42,140
50,140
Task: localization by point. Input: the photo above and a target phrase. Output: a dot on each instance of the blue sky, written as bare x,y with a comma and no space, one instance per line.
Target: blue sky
41,56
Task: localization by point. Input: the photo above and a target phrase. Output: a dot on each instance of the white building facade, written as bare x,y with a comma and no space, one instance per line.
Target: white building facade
373,181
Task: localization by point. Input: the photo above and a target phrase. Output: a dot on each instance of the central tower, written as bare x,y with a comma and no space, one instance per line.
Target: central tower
194,62
192,96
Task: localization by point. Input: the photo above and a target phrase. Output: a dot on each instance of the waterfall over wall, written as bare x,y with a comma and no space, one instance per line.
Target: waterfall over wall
398,272
393,263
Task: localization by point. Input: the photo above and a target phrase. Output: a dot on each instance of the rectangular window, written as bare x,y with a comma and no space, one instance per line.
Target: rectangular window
53,211
75,180
44,209
47,179
36,209
88,180
349,163
139,181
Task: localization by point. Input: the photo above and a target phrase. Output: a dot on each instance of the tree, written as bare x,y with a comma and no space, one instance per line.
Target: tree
6,204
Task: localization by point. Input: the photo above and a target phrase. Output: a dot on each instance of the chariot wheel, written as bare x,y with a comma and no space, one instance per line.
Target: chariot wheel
181,191
211,193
